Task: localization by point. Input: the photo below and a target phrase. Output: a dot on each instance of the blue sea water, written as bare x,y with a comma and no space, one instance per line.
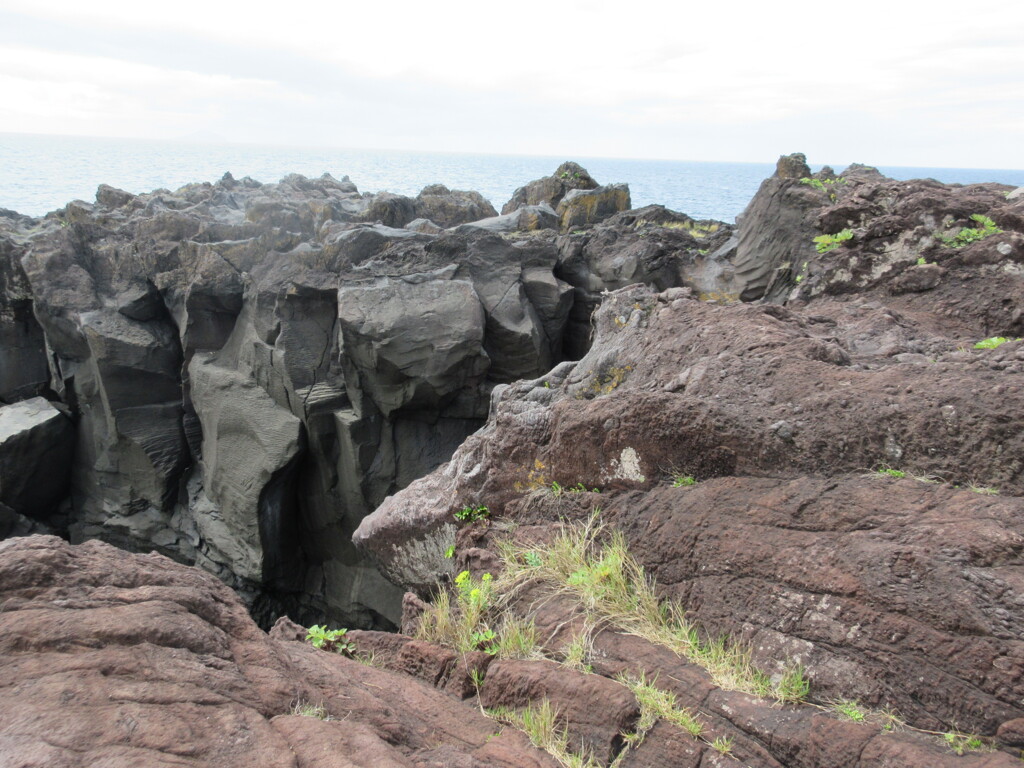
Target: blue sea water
39,174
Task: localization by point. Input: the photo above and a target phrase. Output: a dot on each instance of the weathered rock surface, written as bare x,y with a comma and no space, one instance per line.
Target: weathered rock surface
451,207
528,218
115,659
897,592
581,207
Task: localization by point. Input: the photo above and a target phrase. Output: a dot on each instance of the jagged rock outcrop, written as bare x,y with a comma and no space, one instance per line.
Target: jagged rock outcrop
892,225
116,659
550,190
577,199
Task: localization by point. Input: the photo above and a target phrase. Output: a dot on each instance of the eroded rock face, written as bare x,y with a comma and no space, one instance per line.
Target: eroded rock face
115,659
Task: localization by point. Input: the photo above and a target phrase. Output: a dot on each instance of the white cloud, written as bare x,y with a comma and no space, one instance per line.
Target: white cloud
633,75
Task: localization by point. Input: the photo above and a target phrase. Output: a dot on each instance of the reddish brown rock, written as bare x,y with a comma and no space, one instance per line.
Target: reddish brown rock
114,659
596,710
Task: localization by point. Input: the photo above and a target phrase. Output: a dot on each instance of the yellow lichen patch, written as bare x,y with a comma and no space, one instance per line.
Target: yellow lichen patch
607,382
535,478
721,298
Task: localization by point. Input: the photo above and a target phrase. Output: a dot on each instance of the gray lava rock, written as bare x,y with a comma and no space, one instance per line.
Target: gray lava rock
551,189
36,444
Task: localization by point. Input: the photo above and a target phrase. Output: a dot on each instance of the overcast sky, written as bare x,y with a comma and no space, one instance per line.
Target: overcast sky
886,83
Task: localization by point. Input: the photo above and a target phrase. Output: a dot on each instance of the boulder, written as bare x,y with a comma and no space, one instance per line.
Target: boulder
449,208
36,444
582,207
528,218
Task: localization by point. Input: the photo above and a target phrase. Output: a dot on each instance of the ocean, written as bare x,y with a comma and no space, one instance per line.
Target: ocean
39,174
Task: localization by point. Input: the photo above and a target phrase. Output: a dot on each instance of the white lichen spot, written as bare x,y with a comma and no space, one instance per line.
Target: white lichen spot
626,467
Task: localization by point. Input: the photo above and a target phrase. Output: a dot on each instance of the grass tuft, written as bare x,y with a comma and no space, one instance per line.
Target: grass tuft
540,723
304,708
594,565
657,703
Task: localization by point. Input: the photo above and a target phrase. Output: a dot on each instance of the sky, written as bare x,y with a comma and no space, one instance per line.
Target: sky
886,83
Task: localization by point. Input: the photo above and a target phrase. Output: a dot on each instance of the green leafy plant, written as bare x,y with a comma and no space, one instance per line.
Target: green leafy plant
471,514
683,481
822,185
558,489
884,470
333,640
483,640
532,559
850,710
826,243
992,342
921,261
450,552
969,235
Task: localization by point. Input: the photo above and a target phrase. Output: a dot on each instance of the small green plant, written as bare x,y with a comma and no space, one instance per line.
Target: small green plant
962,743
984,490
921,261
450,552
471,514
683,481
723,745
558,489
532,559
822,185
304,708
850,710
793,686
969,235
992,342
884,470
483,640
333,640
826,243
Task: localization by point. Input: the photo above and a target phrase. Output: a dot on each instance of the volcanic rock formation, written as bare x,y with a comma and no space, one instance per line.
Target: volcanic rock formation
252,368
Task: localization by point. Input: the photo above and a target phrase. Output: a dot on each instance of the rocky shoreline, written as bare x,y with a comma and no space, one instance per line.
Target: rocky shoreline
805,427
